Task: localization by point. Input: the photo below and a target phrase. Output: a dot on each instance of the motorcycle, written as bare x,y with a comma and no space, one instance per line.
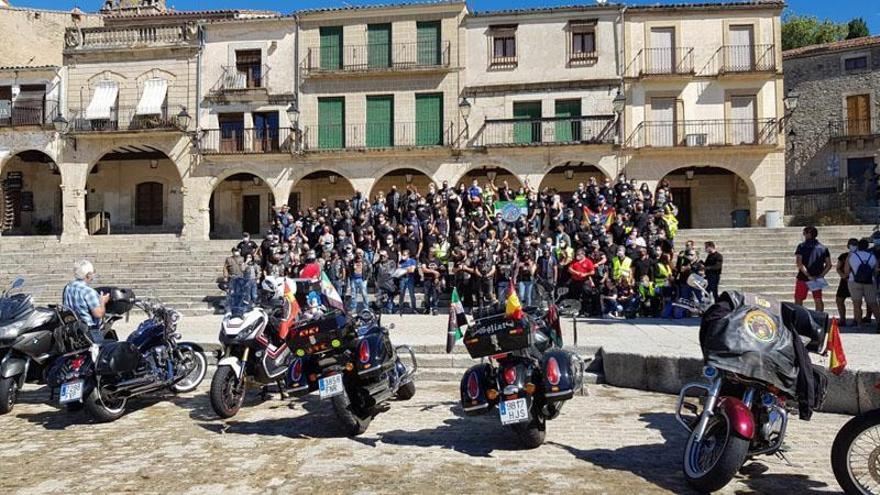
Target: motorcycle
252,350
751,372
102,376
855,454
526,374
348,360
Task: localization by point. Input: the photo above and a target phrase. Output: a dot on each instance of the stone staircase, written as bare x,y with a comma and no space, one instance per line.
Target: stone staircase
182,274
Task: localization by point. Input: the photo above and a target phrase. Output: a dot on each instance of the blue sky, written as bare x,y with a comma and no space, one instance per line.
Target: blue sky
839,10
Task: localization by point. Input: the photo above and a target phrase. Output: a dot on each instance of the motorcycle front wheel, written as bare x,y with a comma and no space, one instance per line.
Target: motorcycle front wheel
198,362
352,418
711,463
103,410
8,393
855,455
227,392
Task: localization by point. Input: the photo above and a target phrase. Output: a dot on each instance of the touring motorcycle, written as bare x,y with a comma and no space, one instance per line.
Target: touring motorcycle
527,375
855,454
103,375
754,360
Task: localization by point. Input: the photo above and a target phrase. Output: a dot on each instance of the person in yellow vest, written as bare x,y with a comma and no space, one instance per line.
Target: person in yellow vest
647,296
671,221
663,284
621,266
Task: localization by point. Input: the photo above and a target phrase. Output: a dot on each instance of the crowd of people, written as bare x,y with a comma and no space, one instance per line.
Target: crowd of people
611,245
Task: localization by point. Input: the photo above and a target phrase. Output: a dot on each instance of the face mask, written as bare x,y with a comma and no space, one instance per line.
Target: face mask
853,249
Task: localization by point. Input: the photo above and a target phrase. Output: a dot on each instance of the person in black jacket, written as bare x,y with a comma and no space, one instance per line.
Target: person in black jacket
713,264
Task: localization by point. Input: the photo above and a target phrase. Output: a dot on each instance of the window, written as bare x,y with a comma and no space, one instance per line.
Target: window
429,119
331,48
266,131
380,121
530,130
249,65
379,45
582,41
231,132
148,204
502,46
331,123
855,63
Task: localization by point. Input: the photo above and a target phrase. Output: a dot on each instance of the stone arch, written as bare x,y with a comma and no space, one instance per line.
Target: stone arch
401,177
565,177
237,202
111,183
482,170
708,195
33,203
320,184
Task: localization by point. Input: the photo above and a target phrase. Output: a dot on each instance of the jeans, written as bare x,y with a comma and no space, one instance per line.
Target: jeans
339,285
431,294
503,287
713,279
358,286
387,297
524,288
408,283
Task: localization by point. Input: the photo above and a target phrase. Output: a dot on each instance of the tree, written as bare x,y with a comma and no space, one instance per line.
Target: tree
803,30
857,28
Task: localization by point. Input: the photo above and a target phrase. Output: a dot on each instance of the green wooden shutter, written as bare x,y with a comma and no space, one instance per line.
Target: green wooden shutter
429,119
331,123
380,121
331,47
379,45
568,130
428,45
527,132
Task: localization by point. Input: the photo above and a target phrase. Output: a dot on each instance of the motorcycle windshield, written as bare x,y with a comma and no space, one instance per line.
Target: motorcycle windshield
239,299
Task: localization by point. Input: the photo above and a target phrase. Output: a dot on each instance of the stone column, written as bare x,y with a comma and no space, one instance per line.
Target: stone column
73,201
364,184
196,214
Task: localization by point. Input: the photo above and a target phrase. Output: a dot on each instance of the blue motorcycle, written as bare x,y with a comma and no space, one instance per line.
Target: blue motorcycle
102,376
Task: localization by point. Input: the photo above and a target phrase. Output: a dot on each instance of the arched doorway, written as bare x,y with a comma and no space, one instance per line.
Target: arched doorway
564,179
401,178
317,186
30,203
708,197
134,190
491,175
240,203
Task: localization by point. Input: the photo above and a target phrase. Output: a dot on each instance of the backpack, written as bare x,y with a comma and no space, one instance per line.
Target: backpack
864,273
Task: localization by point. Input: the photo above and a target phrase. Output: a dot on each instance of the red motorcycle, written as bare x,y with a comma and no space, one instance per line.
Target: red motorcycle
855,454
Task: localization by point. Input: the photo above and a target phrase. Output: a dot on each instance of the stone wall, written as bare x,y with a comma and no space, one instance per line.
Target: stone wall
41,32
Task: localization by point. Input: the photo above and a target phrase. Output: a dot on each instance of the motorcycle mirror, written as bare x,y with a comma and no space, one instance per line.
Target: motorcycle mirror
697,282
18,282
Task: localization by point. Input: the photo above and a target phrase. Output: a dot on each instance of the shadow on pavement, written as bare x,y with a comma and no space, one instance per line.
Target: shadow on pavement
685,322
63,416
476,436
319,421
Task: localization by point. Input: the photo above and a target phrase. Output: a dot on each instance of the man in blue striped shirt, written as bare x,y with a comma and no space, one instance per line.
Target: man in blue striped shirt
84,301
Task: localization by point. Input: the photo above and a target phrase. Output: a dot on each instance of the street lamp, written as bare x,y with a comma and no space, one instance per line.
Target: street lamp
619,102
791,101
293,115
183,119
464,106
60,124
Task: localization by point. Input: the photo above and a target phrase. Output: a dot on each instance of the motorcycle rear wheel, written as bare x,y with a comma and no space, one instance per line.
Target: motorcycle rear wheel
8,393
863,430
103,411
354,421
227,392
725,460
194,378
406,391
533,433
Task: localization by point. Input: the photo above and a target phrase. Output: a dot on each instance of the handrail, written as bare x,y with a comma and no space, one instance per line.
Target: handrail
377,56
701,133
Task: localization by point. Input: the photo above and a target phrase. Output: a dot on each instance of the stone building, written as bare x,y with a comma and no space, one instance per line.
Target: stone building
200,123
834,136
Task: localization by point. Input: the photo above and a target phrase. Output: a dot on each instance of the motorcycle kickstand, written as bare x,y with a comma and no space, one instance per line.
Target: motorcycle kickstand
264,393
281,390
781,454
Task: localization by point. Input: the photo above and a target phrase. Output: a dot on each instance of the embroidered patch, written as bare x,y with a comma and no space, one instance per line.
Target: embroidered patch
761,326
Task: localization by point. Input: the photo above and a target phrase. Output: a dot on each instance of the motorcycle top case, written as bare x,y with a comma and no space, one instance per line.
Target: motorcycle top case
745,334
317,336
117,357
121,300
498,334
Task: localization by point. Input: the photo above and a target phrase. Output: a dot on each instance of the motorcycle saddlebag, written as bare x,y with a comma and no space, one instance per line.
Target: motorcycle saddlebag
476,380
318,335
117,357
560,376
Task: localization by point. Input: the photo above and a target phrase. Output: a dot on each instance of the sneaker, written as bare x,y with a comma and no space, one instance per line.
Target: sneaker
433,312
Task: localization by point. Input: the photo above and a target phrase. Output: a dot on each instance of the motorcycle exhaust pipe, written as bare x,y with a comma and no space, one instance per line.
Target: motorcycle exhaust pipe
134,385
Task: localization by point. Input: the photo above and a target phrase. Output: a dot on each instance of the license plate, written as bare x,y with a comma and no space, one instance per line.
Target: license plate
513,411
330,386
71,391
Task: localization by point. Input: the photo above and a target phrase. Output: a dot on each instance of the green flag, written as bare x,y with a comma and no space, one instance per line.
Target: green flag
457,321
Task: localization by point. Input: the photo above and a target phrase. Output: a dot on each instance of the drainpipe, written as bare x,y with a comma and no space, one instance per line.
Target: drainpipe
621,67
297,132
198,102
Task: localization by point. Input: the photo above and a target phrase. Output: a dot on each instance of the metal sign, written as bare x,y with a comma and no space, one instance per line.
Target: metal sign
5,109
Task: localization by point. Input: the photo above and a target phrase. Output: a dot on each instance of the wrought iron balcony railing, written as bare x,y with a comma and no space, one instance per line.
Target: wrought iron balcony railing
853,128
738,59
241,140
377,135
662,62
376,57
28,112
236,78
550,130
702,133
126,119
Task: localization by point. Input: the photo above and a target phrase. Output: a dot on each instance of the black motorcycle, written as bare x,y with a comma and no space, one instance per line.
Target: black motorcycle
103,375
855,454
351,361
527,374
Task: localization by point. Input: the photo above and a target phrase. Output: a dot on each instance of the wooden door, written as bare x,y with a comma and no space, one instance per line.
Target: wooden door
743,123
661,58
858,115
250,213
149,208
682,199
662,130
741,52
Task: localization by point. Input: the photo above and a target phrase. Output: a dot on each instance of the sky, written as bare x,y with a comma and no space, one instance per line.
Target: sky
836,10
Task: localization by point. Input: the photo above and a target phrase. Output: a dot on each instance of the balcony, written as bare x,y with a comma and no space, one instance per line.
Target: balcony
335,137
853,128
246,141
376,58
125,119
662,62
116,38
28,112
744,59
704,133
546,131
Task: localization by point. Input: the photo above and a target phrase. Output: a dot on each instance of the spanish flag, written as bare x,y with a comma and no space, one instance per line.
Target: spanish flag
514,308
835,346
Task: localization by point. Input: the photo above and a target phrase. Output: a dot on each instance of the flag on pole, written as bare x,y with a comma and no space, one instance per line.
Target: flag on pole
835,345
292,311
457,321
327,289
513,308
554,325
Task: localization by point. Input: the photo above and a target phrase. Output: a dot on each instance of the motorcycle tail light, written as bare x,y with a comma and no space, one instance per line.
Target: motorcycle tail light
491,394
364,352
553,374
473,386
77,363
297,368
510,375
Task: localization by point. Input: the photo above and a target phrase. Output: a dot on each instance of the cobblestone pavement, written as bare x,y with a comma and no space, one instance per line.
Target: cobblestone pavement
612,441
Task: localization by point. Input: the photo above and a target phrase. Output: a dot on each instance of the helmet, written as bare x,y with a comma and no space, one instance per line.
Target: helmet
273,287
